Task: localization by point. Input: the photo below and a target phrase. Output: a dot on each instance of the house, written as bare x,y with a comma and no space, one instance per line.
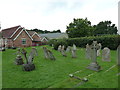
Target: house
54,35
19,37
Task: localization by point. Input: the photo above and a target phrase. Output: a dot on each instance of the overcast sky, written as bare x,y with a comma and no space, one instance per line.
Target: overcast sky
55,14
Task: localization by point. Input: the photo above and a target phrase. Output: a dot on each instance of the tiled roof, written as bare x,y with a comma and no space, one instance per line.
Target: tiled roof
30,32
54,35
7,33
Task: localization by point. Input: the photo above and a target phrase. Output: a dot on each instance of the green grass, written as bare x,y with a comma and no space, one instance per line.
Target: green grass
55,74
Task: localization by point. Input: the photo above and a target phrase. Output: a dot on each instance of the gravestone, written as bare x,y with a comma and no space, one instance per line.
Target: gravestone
51,56
88,51
53,46
98,51
19,60
74,47
29,66
59,48
118,52
68,49
24,52
46,53
106,54
74,51
63,51
94,65
32,54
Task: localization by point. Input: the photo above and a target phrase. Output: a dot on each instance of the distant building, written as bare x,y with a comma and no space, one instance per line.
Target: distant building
19,37
54,35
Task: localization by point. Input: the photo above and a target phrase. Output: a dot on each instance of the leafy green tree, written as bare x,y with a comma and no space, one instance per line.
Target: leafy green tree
105,27
79,28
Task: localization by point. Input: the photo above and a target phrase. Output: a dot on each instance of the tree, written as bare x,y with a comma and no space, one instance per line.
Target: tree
79,28
105,27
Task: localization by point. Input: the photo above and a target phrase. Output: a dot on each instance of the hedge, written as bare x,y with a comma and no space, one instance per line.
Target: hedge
110,41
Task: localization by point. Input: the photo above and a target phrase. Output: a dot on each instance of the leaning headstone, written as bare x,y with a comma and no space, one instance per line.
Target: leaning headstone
94,65
63,51
46,53
32,54
59,48
68,49
74,51
98,51
106,54
24,52
51,56
88,51
29,66
118,52
19,60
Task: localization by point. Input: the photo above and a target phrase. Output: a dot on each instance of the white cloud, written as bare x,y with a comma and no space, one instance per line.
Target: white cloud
55,14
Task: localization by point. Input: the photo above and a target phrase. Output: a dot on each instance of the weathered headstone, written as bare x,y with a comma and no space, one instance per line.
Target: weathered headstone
59,48
24,52
19,60
88,51
118,52
29,66
63,51
98,51
32,54
53,46
51,56
94,65
74,47
46,53
68,49
74,51
106,54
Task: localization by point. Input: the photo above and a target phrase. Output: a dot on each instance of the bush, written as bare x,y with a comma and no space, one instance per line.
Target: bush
110,41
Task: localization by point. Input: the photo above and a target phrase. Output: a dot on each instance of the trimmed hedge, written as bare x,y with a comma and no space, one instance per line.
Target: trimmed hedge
110,41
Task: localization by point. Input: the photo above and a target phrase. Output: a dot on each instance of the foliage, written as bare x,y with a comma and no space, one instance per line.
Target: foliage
55,74
110,41
58,42
105,27
45,31
79,28
82,27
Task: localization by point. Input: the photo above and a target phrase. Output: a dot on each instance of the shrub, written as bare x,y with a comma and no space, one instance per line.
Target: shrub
110,41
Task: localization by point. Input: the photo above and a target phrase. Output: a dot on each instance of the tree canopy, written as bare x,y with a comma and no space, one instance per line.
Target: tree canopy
45,31
82,27
105,27
78,28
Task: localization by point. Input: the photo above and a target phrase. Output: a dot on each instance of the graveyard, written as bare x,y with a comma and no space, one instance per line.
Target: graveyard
58,73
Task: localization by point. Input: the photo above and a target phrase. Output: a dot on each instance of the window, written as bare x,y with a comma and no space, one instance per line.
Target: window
23,41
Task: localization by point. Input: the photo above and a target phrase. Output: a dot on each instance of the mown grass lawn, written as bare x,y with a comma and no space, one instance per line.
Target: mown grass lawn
55,74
